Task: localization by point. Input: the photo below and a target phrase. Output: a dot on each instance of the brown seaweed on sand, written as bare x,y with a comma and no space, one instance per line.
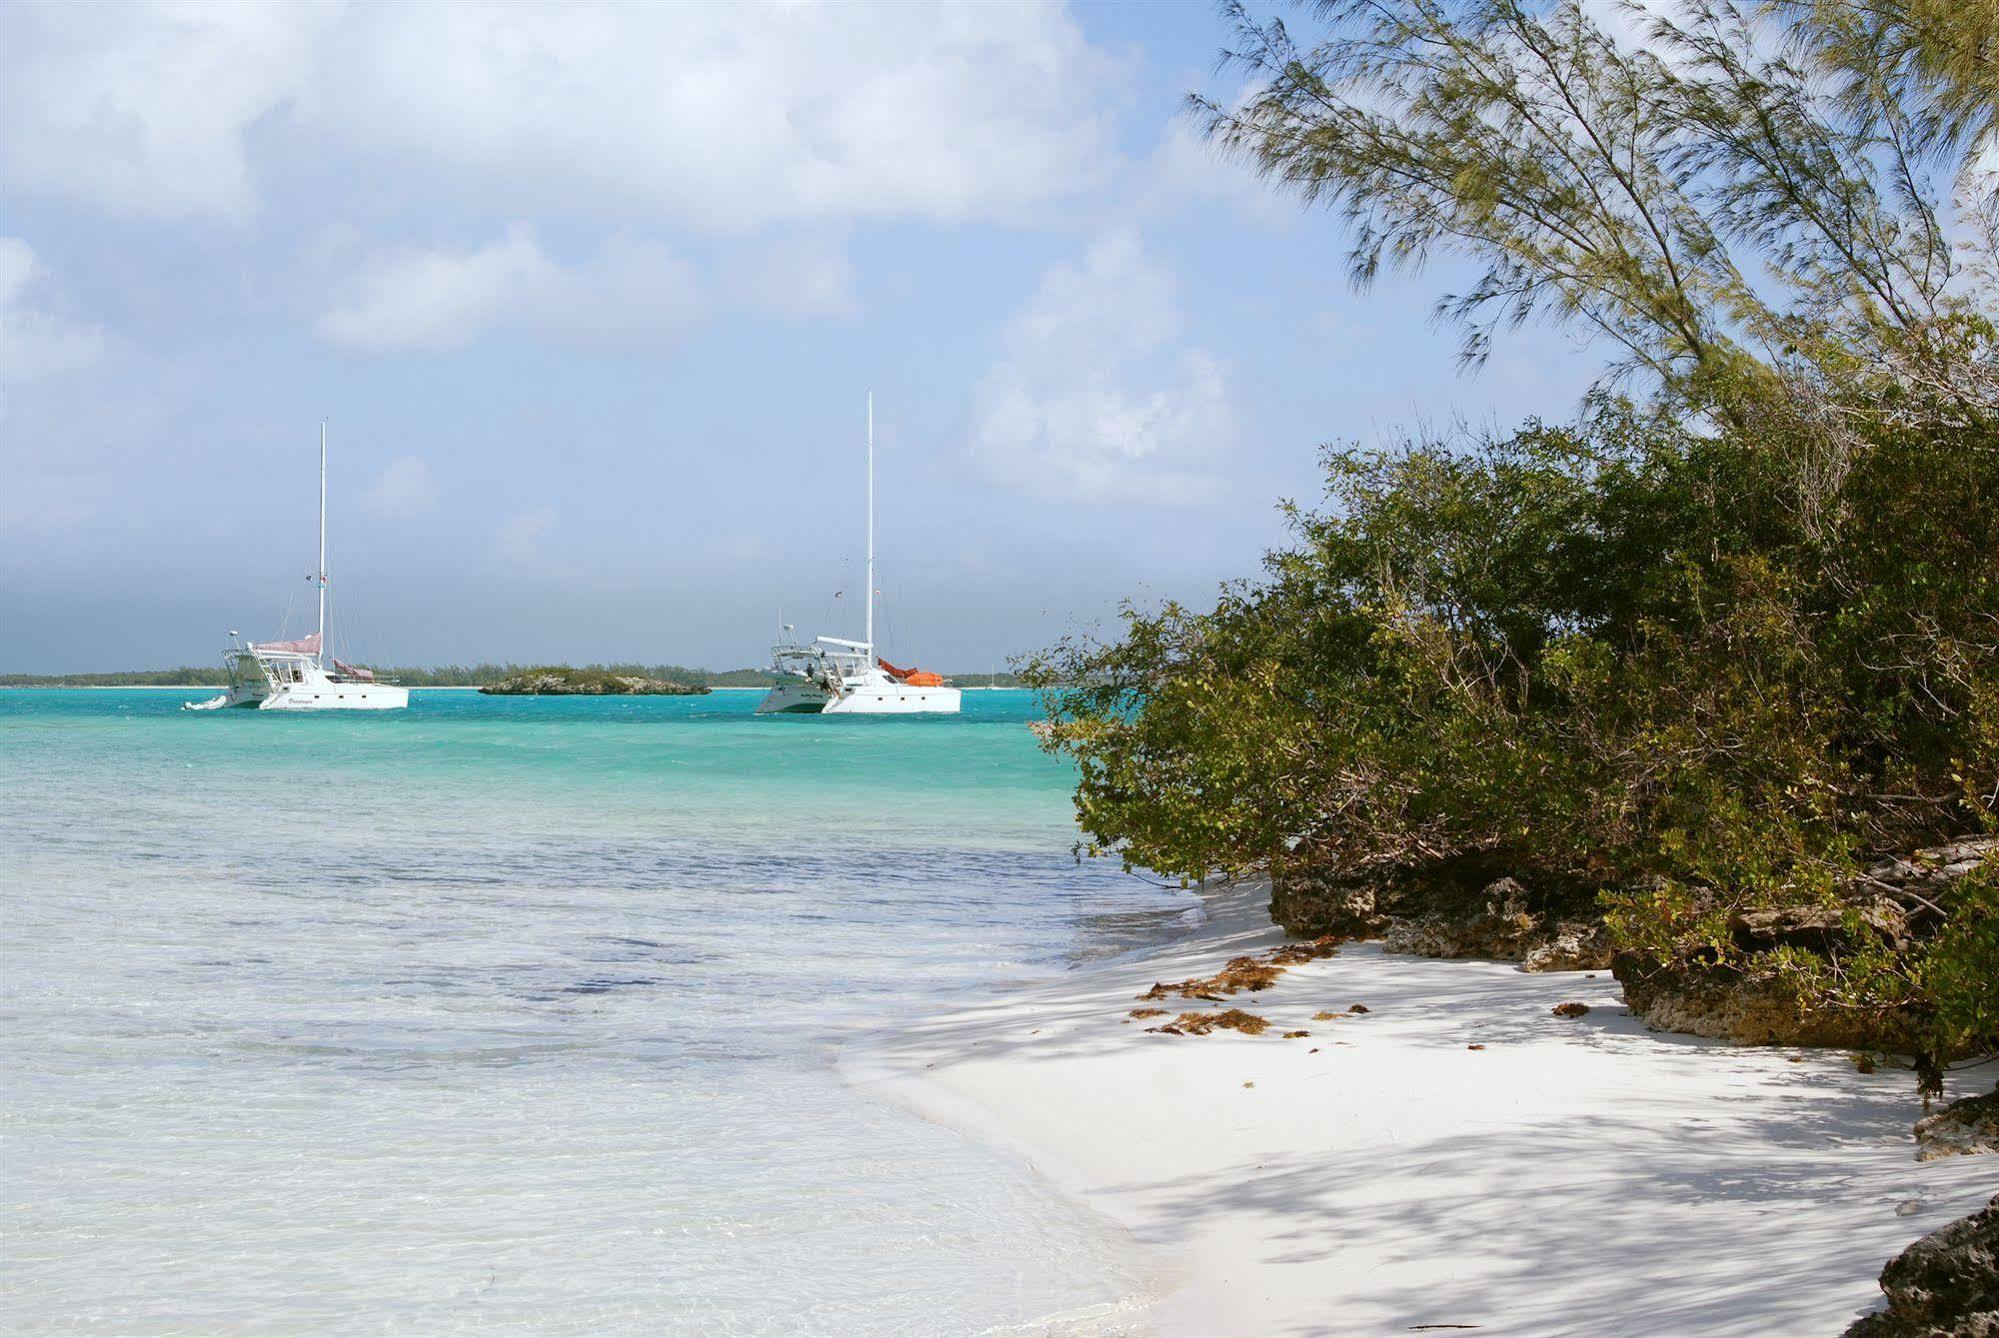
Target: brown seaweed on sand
1241,973
1297,954
1200,1024
1246,972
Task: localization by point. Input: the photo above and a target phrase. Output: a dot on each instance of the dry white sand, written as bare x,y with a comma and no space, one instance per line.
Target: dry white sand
1573,1177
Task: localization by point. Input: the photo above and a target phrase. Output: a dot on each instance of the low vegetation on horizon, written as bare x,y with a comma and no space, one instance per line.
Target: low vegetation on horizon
442,676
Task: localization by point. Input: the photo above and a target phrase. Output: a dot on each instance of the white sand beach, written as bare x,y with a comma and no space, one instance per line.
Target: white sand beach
1579,1176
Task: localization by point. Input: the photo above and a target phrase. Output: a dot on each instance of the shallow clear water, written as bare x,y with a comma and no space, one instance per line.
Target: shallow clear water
518,1015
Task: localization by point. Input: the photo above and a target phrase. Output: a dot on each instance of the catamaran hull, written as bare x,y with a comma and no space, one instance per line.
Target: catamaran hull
864,699
794,699
338,697
310,697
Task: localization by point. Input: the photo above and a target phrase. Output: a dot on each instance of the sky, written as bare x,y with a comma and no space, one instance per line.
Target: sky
590,298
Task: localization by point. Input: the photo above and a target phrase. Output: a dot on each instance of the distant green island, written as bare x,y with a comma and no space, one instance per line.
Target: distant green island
564,681
447,676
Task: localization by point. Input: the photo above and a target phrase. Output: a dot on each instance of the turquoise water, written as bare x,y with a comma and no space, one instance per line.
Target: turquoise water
518,1015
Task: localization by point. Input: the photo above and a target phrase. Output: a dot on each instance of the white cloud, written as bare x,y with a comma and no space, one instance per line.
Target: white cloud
18,268
1059,412
145,108
404,488
795,276
35,340
518,539
728,118
440,299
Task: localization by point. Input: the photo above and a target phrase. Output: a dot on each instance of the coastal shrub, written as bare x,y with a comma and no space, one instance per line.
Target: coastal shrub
1700,657
1599,652
1955,981
1617,658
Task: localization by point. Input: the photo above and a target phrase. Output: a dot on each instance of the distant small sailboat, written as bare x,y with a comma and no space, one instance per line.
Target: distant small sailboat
302,675
834,676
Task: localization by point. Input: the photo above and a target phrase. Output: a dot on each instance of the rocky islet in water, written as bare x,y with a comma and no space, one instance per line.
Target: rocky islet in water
561,681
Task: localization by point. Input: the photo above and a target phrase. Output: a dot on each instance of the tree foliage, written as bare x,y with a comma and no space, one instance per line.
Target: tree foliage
1716,190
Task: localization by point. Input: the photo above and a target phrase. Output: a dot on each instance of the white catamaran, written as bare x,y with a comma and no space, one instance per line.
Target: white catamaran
302,675
835,676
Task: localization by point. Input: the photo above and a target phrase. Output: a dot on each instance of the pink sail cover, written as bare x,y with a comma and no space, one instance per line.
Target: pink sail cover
305,645
359,675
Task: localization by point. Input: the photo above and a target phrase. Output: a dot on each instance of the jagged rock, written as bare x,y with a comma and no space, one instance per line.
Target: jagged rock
1818,928
1890,900
1946,1285
1506,928
1936,865
1575,945
1503,930
1910,885
1453,909
1310,901
1726,1005
1814,927
1312,894
1966,1126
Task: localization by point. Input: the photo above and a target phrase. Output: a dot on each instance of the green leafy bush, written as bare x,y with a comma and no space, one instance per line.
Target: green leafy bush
1623,658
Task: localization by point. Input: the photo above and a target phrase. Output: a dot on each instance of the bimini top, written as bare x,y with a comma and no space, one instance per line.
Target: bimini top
305,645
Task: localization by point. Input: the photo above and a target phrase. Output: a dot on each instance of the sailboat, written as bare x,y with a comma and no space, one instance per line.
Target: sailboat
302,675
835,676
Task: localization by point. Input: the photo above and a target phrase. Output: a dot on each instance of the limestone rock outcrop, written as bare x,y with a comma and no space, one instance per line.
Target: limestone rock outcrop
1964,1127
1891,901
1946,1285
1448,912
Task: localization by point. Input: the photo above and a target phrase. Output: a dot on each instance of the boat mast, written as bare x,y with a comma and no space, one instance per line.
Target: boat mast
322,544
871,530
